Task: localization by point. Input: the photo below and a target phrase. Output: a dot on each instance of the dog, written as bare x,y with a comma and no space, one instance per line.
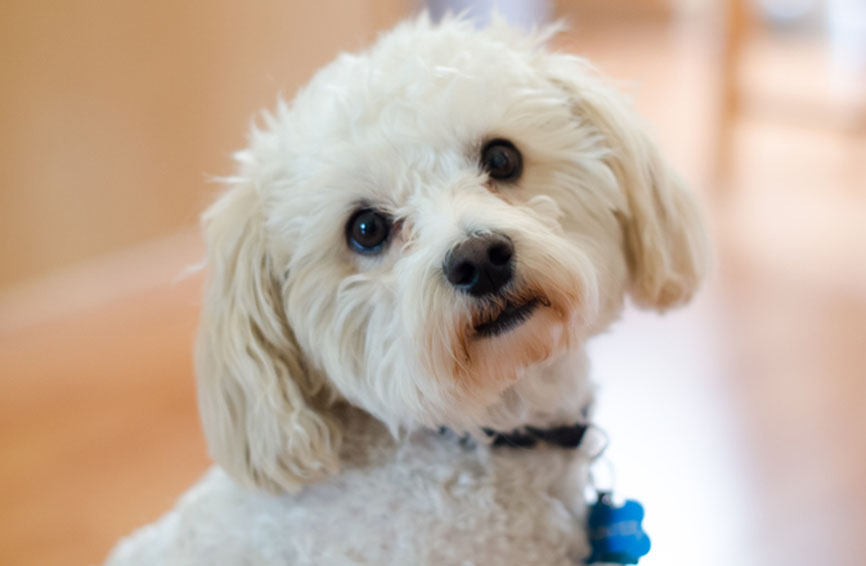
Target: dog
403,275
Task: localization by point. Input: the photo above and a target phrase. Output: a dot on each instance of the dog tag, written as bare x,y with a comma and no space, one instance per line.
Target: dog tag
615,532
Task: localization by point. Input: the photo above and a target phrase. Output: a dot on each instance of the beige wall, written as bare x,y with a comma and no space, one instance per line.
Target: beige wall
113,113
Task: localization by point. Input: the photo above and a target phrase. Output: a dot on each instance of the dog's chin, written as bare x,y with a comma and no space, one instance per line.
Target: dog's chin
518,335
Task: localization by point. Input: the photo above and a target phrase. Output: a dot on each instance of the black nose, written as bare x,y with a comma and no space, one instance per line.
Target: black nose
480,265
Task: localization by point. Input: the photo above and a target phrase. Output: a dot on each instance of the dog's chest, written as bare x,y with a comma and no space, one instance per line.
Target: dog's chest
426,500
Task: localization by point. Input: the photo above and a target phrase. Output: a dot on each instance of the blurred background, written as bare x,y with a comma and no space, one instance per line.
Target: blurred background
738,421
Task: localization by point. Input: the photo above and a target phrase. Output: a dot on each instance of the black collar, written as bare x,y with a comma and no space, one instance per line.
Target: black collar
568,437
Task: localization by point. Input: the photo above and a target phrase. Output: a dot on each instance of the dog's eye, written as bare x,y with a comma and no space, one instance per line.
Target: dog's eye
501,160
367,231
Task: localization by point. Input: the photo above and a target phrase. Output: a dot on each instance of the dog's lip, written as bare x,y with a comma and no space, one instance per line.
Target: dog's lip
512,316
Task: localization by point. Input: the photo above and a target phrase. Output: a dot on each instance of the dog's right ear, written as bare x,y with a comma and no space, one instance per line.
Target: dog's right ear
255,395
663,229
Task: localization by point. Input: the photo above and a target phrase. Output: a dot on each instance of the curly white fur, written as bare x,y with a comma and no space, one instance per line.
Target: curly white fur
297,328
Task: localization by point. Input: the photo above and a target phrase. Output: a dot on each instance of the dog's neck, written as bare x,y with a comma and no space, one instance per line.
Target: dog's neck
548,398
368,443
552,394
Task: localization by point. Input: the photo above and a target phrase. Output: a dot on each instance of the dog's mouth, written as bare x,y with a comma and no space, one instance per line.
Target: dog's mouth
512,315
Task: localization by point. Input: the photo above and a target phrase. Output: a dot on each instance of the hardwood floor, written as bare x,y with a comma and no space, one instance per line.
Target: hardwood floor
98,425
737,421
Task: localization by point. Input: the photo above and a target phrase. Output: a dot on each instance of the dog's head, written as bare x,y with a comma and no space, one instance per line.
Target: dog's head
426,224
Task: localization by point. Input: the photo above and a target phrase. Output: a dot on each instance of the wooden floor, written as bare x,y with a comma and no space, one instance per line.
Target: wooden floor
738,421
98,426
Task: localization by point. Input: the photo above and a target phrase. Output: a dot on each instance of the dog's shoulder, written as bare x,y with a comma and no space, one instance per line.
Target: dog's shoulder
421,499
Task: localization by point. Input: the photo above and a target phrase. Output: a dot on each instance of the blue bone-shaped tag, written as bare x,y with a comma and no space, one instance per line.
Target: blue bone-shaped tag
615,533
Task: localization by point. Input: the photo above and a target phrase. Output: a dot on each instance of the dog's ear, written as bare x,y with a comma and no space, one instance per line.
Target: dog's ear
255,395
664,234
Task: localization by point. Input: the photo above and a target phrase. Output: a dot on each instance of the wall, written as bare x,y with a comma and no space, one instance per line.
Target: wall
113,114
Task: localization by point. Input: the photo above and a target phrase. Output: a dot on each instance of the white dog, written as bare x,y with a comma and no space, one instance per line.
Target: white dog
403,276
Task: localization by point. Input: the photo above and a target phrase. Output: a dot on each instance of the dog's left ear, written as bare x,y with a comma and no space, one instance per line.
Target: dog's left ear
256,396
665,238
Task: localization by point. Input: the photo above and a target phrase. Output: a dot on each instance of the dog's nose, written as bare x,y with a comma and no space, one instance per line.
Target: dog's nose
480,265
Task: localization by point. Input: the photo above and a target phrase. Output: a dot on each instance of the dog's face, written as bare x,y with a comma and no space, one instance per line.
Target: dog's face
426,227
